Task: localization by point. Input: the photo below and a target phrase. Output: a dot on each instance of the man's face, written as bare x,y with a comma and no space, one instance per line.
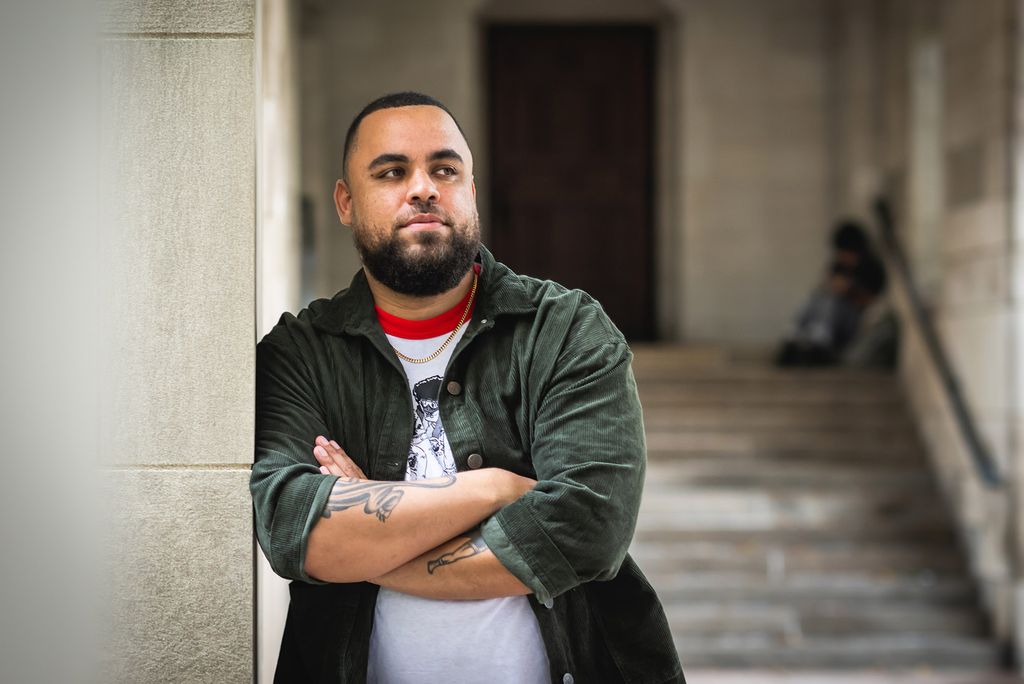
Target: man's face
430,409
410,200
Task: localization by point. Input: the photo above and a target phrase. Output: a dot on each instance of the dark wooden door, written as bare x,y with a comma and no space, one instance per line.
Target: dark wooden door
571,126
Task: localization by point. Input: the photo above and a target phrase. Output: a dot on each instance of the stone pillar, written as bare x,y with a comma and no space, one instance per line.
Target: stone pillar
178,244
278,250
1015,471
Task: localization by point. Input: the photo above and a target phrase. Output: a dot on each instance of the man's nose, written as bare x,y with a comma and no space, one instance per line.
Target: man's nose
422,187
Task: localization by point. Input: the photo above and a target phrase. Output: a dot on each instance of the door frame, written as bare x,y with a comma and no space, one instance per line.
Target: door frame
668,185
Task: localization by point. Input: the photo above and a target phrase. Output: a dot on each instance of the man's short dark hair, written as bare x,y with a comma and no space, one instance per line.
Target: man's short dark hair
404,99
850,236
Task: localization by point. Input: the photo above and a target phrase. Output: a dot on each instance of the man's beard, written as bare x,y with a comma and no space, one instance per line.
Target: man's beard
436,267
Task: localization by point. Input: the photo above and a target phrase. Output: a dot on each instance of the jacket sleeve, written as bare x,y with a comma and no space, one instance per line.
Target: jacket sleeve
288,490
589,453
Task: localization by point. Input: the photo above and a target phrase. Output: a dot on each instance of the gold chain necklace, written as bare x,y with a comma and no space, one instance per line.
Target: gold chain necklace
465,313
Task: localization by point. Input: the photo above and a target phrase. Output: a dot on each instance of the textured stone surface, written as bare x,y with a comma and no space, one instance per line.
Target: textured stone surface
181,587
976,342
982,224
977,278
179,220
178,16
979,522
754,176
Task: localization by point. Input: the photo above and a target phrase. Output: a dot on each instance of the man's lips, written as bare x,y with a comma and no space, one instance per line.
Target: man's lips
424,222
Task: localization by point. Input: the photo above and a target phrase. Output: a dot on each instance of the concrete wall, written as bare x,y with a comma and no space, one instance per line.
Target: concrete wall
178,218
756,184
937,143
1015,471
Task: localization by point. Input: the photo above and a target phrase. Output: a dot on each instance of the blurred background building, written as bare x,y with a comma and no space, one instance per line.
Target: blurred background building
685,162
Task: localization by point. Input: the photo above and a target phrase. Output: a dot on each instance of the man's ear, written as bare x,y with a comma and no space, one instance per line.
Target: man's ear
343,202
472,186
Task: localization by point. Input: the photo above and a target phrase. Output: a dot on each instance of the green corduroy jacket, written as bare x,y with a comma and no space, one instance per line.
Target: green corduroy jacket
546,391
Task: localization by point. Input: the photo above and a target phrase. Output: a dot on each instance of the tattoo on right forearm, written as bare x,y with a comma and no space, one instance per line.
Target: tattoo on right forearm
377,498
473,546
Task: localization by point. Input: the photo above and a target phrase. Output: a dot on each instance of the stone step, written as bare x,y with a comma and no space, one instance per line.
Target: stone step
885,650
767,417
666,362
761,376
753,510
853,535
794,458
809,588
791,520
731,396
752,441
854,675
805,470
790,624
845,385
776,560
666,452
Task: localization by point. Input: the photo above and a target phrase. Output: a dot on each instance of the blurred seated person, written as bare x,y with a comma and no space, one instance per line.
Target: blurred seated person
876,342
831,318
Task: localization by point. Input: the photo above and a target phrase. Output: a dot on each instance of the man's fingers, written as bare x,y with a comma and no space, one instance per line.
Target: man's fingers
344,460
329,453
327,464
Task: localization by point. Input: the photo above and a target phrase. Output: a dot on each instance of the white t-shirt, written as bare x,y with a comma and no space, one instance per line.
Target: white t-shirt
421,641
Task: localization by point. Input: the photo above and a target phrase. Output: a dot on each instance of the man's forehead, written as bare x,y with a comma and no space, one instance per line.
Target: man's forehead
416,129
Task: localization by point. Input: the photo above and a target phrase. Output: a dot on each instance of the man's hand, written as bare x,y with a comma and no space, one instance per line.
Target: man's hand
334,461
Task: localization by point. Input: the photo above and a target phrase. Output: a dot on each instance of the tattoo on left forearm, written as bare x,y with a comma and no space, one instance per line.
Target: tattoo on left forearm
471,547
376,498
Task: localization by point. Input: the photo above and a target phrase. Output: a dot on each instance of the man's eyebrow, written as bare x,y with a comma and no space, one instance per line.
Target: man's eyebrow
389,158
446,153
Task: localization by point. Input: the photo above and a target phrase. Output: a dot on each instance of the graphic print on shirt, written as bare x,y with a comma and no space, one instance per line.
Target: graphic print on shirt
428,442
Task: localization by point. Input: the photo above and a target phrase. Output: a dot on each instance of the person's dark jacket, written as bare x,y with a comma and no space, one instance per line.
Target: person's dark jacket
541,385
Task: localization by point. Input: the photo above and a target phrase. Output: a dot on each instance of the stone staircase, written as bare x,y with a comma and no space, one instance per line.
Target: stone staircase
790,520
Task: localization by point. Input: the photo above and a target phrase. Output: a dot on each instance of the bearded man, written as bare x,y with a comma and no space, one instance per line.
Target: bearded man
498,554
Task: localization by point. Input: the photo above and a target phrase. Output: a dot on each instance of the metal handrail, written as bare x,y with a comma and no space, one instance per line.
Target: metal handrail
984,464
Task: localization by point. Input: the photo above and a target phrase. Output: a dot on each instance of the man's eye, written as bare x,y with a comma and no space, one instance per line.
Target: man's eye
391,173
446,171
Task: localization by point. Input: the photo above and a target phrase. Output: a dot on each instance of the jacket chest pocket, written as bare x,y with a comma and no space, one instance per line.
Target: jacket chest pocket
500,439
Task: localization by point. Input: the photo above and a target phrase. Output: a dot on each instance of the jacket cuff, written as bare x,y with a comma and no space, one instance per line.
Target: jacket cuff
520,544
320,497
299,505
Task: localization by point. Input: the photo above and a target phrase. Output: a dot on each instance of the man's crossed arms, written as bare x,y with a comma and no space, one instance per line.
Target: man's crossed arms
412,536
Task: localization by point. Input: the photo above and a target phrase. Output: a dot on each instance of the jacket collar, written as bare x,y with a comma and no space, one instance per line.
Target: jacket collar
499,292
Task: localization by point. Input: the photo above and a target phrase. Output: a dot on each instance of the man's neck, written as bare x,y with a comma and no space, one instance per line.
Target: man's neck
417,308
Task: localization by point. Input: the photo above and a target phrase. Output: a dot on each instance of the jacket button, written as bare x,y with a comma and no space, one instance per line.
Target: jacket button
454,388
475,461
567,678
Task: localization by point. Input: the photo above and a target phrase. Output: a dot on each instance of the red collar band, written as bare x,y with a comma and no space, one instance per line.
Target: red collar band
442,324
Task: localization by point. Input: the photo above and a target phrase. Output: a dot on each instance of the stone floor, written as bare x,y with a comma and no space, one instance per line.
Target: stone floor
867,677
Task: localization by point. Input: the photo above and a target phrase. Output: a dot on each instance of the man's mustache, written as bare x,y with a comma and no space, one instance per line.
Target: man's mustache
423,208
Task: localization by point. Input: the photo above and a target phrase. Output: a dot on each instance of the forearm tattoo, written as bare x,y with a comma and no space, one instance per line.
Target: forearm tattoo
473,546
376,498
